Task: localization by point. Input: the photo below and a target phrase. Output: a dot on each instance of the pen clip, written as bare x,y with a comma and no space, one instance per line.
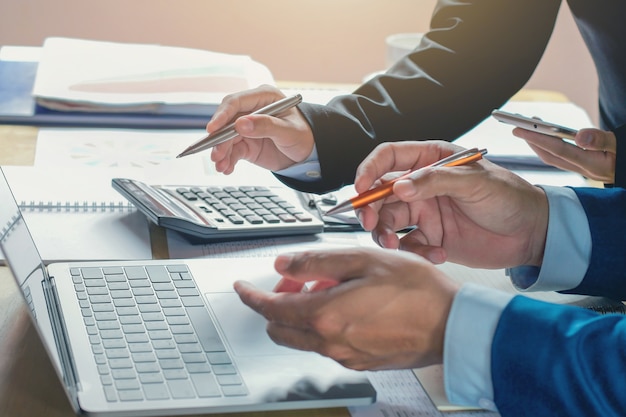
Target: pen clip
459,155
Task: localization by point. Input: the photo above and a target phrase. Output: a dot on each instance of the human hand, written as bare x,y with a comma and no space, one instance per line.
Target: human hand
593,155
479,215
375,308
270,142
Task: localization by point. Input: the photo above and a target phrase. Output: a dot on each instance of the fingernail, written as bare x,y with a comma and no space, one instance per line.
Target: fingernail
359,217
282,262
245,125
586,139
405,189
437,256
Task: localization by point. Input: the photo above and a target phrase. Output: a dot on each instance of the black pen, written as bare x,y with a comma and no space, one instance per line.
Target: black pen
228,132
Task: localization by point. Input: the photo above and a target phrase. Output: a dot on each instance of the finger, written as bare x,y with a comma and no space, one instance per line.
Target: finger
290,309
456,182
271,305
289,285
258,126
324,265
368,217
295,333
223,150
253,297
592,164
391,218
386,238
399,156
417,240
586,140
322,285
241,103
290,133
570,161
221,155
551,144
435,254
239,150
594,139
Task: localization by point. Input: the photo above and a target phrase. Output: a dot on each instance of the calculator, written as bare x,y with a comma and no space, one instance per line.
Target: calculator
219,213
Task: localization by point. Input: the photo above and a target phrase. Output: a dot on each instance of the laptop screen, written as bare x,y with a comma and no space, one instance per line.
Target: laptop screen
17,244
22,257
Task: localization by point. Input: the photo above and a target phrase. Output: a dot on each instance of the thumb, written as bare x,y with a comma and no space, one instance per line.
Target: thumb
596,140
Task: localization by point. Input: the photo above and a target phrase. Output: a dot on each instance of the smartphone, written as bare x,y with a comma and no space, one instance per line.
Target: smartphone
535,125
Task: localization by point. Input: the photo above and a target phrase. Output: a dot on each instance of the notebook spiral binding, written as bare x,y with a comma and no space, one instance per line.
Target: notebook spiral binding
77,206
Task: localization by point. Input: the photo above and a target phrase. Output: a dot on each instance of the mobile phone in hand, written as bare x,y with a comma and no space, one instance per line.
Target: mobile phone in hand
534,125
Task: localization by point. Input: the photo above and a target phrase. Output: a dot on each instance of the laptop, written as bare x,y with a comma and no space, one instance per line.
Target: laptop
165,337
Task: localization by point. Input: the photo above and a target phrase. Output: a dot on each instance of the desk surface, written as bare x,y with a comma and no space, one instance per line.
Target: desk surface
28,384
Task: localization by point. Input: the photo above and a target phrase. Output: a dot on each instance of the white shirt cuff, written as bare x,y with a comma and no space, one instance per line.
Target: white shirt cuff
308,170
568,246
470,329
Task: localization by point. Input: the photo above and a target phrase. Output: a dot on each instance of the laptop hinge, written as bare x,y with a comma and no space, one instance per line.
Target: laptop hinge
59,330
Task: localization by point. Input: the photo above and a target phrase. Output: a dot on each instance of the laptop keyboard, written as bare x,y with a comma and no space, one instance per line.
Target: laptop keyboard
152,336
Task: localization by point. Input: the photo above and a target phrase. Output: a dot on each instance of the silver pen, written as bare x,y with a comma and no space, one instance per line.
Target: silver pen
228,132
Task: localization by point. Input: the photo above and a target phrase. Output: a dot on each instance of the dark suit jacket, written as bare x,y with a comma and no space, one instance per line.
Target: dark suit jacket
477,54
552,360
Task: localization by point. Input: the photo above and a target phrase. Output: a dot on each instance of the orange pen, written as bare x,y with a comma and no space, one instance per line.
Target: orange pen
460,158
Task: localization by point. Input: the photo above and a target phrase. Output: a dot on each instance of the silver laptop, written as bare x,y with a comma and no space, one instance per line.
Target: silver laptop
142,338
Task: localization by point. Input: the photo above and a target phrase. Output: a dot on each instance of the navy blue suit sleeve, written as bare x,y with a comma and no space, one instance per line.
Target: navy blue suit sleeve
606,274
620,157
554,360
477,54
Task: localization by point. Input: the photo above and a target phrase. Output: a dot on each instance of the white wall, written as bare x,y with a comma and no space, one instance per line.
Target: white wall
304,40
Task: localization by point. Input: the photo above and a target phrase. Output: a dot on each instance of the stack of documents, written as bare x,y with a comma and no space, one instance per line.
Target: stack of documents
75,82
86,75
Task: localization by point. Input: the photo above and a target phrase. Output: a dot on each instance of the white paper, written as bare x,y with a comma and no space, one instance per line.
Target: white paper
78,74
152,151
74,214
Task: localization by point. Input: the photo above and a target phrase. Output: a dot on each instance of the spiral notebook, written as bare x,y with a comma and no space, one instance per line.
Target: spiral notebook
75,215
